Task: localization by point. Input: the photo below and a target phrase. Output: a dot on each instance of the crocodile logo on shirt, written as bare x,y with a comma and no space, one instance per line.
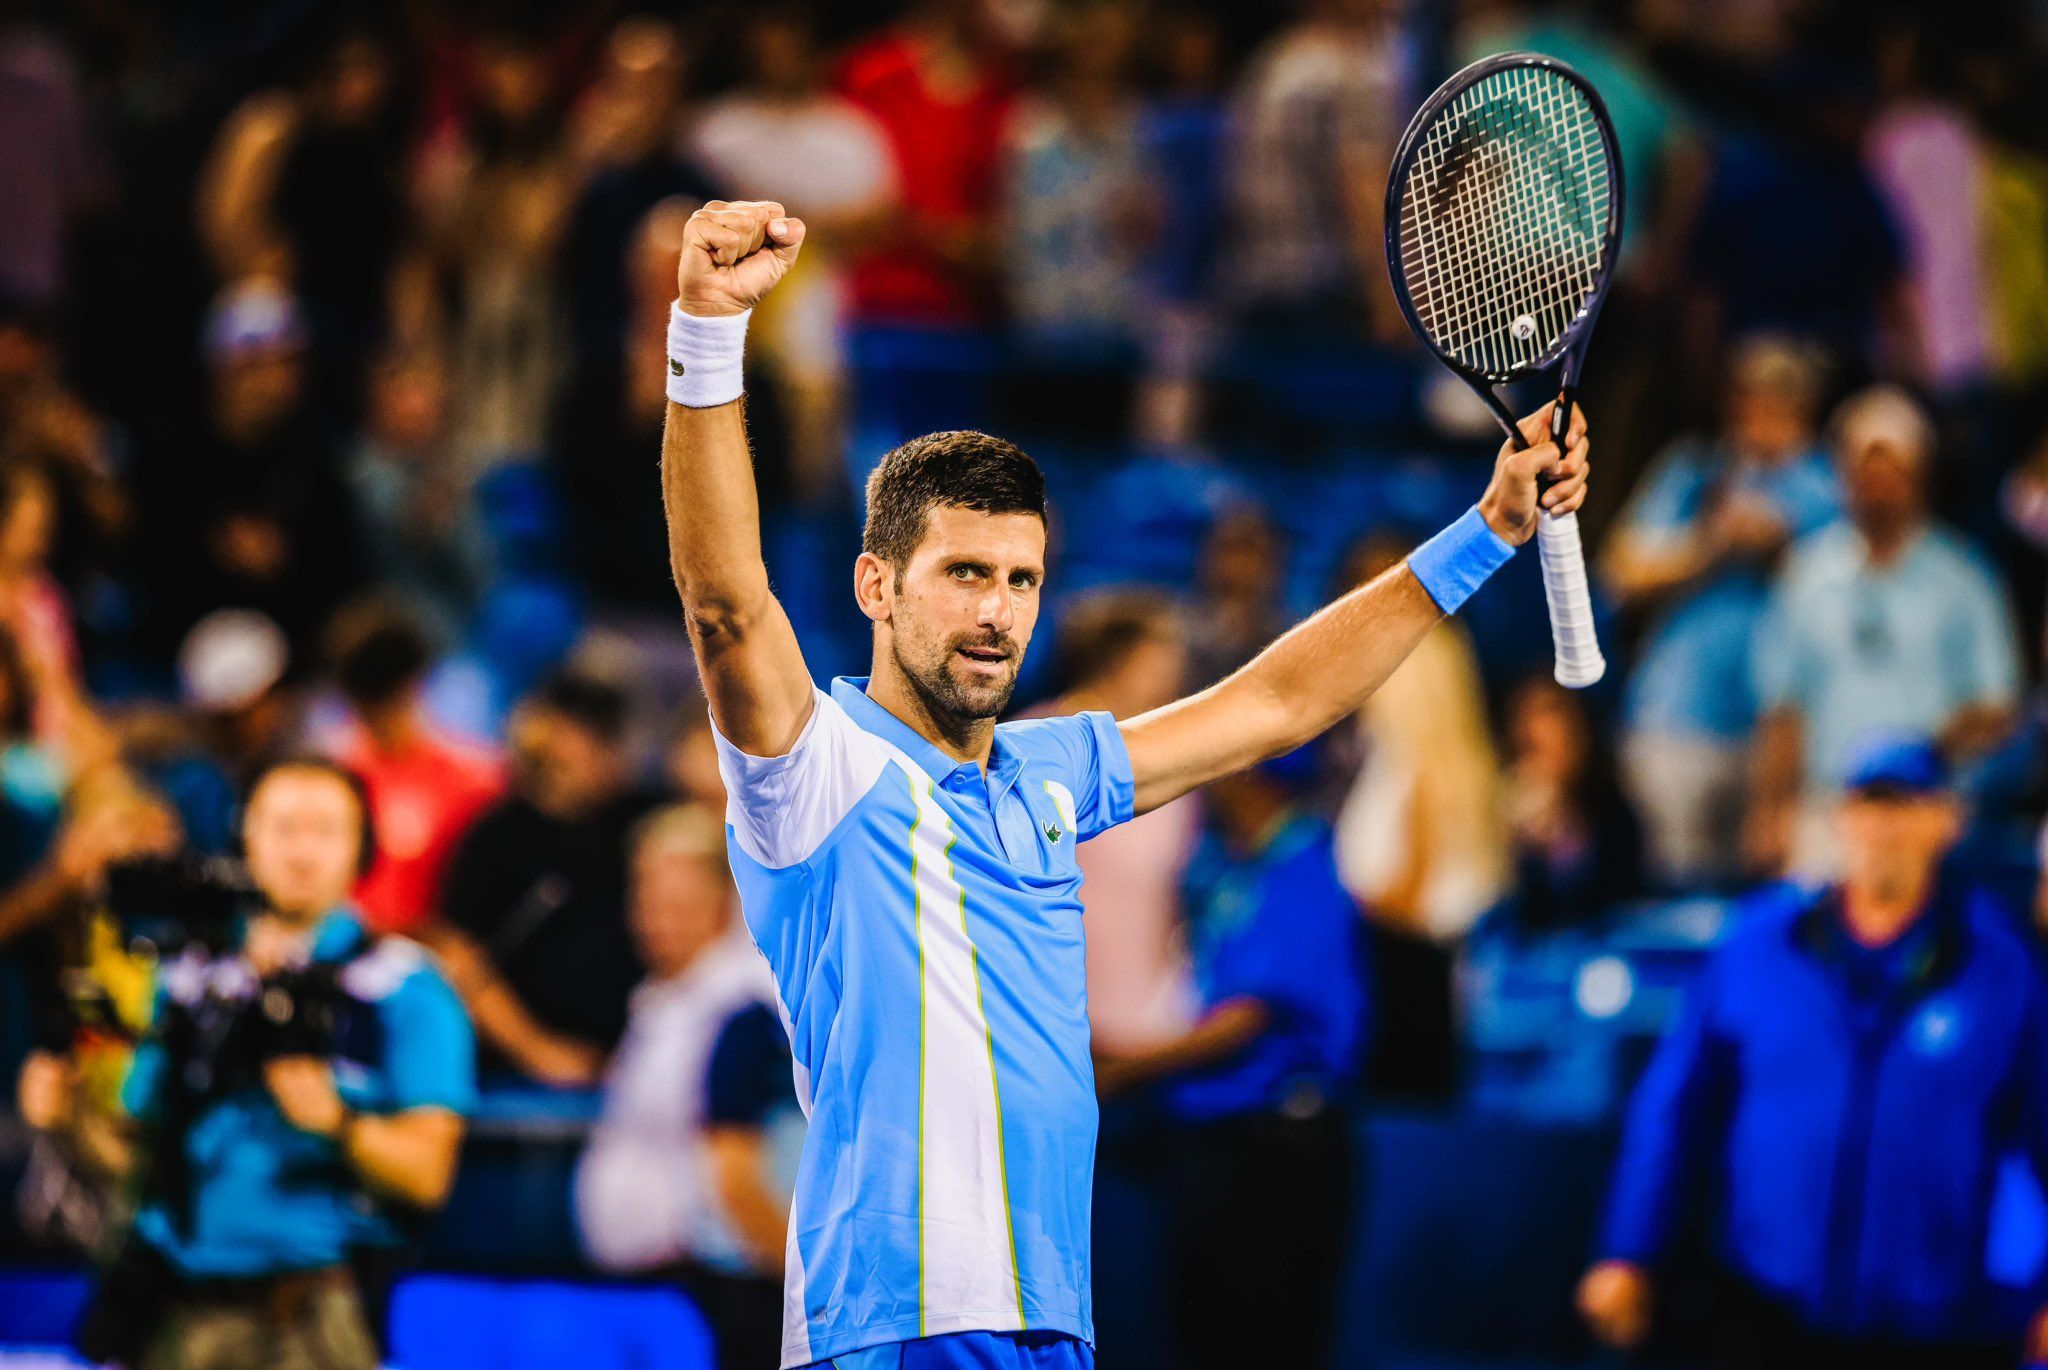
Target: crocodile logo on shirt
675,368
1053,833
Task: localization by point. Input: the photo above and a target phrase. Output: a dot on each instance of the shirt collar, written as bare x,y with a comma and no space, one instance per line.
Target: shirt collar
851,694
337,935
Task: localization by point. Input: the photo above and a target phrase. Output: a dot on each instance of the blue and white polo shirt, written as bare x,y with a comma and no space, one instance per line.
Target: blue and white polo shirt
923,922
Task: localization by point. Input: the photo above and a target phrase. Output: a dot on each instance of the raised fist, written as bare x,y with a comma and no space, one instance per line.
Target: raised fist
733,254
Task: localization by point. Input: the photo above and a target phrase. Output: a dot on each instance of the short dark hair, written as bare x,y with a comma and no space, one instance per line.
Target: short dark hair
965,470
377,651
1100,632
596,704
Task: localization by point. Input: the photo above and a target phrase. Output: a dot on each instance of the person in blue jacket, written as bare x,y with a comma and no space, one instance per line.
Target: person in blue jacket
1257,1093
1851,1070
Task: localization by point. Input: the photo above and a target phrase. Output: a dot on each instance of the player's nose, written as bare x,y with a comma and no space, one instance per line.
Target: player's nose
996,612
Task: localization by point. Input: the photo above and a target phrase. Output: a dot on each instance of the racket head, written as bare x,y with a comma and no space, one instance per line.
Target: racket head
1504,213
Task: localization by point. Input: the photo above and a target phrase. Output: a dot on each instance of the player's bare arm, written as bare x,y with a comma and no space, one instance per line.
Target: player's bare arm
747,653
1321,670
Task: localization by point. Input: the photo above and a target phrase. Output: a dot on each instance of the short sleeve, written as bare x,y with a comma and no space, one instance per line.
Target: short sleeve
749,1078
783,808
1090,764
430,1048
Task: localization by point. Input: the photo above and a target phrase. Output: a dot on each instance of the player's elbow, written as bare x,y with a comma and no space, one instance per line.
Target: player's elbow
719,611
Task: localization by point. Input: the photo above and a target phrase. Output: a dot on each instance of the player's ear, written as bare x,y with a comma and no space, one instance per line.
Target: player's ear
874,586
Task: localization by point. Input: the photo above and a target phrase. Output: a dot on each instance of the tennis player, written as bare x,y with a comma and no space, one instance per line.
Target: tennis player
906,863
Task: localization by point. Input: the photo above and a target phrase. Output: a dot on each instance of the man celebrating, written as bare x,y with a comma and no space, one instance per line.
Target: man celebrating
907,865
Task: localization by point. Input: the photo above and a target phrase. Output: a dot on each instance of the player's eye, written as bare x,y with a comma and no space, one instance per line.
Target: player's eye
963,571
1022,580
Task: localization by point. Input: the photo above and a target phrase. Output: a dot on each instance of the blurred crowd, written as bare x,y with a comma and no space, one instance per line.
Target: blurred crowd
331,382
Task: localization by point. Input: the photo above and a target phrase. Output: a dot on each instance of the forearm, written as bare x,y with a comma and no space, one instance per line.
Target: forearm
1636,574
1775,767
739,1166
409,1156
501,1018
1222,1032
1310,677
714,517
40,896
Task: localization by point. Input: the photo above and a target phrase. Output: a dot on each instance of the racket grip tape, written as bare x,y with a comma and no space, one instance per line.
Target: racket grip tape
1579,662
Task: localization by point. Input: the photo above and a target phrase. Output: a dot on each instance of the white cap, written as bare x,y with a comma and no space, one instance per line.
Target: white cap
1885,416
253,316
230,659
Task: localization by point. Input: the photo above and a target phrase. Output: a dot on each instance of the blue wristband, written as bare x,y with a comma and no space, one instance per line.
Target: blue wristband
1458,560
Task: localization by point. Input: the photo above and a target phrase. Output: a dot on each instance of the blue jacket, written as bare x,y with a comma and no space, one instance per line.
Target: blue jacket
1851,1124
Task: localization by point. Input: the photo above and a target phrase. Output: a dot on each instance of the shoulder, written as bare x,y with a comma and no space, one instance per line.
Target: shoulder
1959,558
1823,555
1059,736
1761,925
399,975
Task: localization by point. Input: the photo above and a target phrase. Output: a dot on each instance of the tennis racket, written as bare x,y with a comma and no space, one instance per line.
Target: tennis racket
1503,222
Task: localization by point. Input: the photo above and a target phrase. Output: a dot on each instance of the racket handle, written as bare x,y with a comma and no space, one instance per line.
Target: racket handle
1579,662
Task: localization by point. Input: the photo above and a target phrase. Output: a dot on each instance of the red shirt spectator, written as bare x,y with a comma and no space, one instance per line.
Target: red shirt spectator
424,794
425,788
942,104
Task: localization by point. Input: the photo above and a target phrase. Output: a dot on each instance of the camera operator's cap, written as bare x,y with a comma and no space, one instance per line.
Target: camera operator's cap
253,318
231,659
1896,764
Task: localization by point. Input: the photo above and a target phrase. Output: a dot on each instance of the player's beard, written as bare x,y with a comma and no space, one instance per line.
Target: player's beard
939,673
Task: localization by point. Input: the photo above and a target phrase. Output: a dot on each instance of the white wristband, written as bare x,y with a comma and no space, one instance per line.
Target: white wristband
704,358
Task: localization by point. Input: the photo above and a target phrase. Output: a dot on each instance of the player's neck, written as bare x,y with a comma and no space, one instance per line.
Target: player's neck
962,739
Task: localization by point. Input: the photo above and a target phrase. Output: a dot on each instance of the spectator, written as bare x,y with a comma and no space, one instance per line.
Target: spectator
1078,200
46,161
534,929
251,506
1931,166
494,195
1126,652
1184,137
1578,849
679,1175
304,186
1883,621
420,532
1236,610
616,532
1260,1166
1420,839
33,608
1849,1073
424,788
625,139
692,757
1792,236
1318,110
266,1177
1694,555
935,84
783,135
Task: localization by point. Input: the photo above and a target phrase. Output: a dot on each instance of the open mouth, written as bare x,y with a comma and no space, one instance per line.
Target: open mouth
985,656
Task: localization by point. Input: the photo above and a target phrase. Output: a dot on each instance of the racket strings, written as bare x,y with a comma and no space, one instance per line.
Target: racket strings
1503,220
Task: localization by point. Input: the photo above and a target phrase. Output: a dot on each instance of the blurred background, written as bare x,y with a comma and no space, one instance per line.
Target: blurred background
331,384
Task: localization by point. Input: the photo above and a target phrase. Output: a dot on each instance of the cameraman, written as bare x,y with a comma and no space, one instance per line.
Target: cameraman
285,1169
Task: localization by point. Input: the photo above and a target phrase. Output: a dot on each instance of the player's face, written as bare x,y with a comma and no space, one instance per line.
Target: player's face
301,835
963,614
